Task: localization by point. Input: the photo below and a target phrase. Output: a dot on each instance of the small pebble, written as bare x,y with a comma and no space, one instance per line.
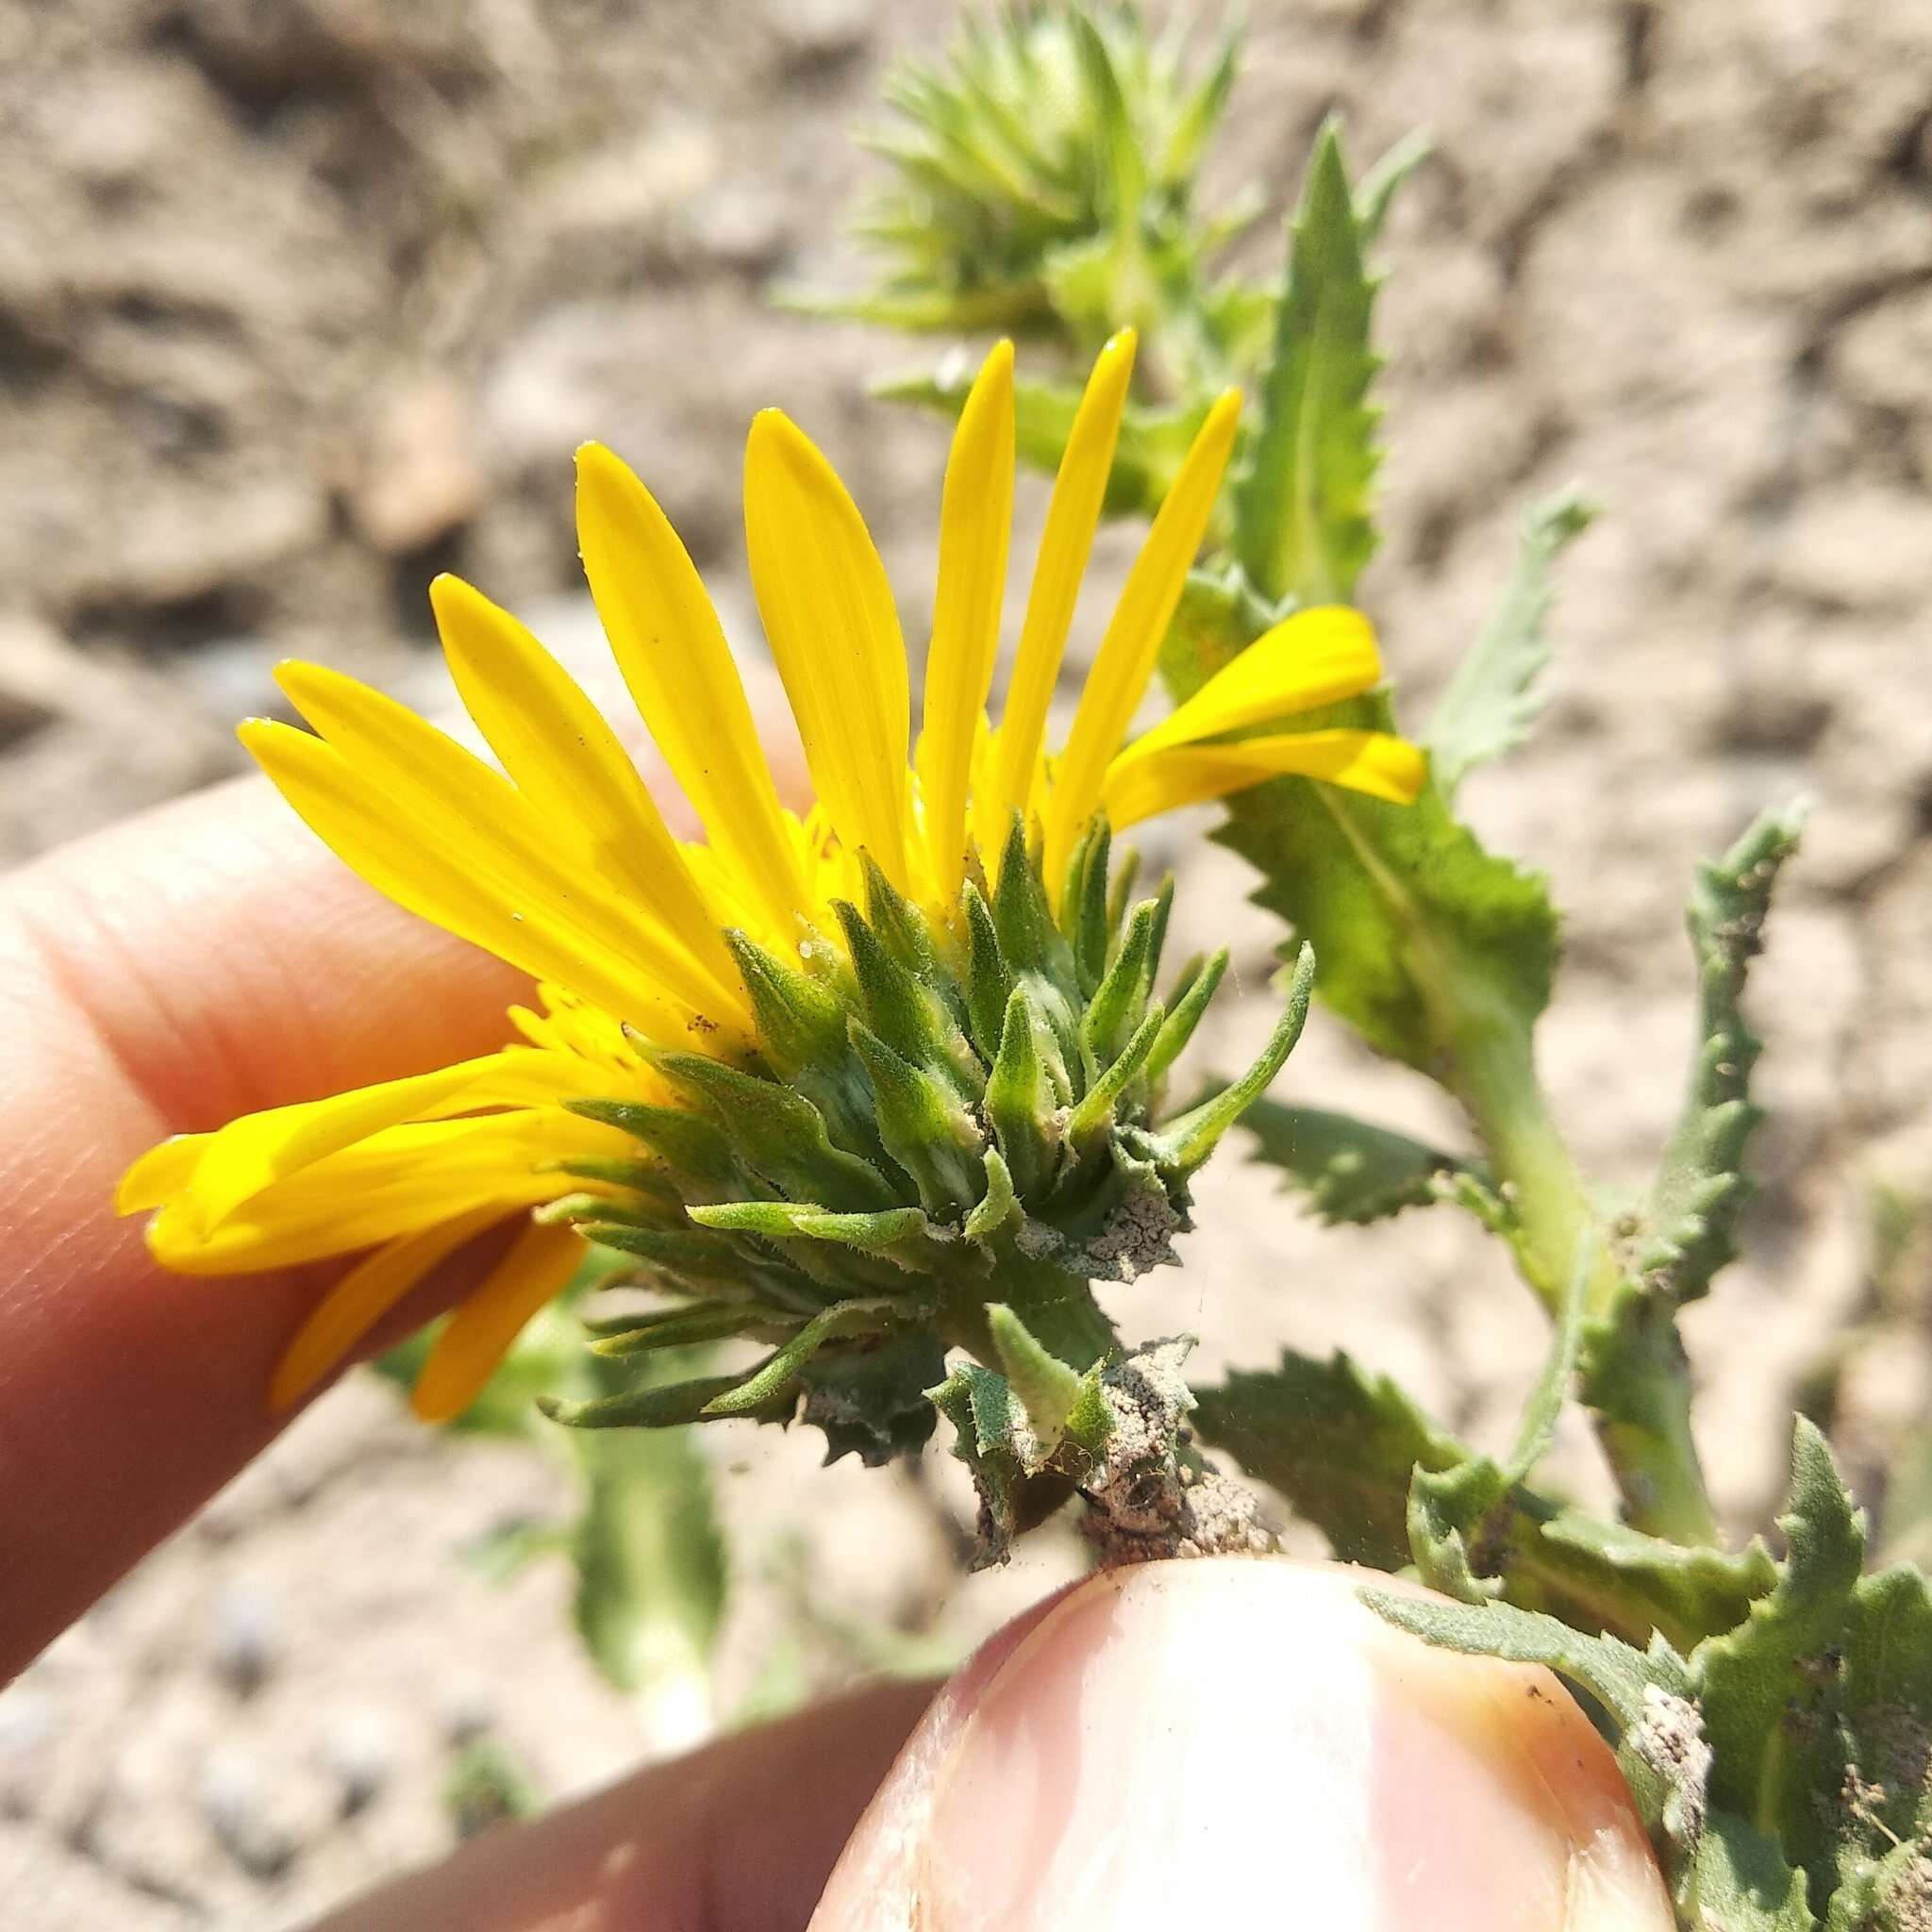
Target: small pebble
358,1747
234,1800
247,1637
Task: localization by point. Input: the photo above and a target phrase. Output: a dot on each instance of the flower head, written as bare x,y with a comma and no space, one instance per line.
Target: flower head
846,1077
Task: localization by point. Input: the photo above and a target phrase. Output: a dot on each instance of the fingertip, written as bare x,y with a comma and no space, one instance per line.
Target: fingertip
1183,1740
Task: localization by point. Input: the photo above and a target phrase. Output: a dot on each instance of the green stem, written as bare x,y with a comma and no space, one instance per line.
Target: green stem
1634,1374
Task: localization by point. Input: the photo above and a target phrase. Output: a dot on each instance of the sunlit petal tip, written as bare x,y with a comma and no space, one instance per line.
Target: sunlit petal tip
160,1172
260,735
451,595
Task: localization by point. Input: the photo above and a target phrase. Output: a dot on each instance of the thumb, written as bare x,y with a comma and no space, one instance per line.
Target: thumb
1241,1742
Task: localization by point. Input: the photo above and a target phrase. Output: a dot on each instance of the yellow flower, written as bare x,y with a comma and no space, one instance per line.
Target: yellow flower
561,864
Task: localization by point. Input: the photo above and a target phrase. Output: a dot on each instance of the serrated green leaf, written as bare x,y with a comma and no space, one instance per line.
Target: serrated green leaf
1616,1673
1492,700
1338,1442
1615,1578
1737,1880
1768,1689
1701,1186
1886,1691
1302,527
1348,1170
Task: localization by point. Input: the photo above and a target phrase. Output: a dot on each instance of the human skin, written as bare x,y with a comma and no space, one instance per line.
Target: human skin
212,958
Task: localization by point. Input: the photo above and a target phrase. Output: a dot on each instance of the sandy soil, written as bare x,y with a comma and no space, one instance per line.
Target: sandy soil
300,303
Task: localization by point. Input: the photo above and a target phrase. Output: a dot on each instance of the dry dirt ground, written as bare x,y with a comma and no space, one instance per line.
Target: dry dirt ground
301,300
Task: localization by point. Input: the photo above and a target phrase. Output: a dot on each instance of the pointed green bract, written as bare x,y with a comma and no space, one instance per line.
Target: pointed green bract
899,1007
1492,700
687,1142
988,982
780,1219
978,1128
779,1135
1119,996
1189,1141
1185,1016
678,1329
1051,1393
780,1369
925,1129
1099,1105
1019,1100
800,1021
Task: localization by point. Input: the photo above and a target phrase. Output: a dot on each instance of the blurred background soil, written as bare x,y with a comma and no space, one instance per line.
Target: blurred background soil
304,300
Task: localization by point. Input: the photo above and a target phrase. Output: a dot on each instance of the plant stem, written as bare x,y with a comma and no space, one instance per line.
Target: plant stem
1634,1374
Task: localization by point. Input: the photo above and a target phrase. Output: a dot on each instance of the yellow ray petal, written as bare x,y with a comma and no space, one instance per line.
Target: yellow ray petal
470,899
827,610
671,648
564,757
258,1149
360,1299
427,774
975,527
1315,657
405,1178
1072,515
160,1174
1371,761
1125,662
478,1335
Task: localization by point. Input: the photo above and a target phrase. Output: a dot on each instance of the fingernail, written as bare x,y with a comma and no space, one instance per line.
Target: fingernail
1242,1743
